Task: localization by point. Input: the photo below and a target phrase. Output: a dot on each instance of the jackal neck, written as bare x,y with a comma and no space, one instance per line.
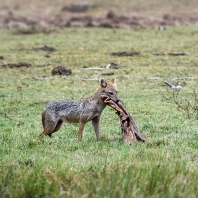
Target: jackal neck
96,96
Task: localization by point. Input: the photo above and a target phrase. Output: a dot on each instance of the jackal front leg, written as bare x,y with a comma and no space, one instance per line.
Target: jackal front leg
95,123
80,130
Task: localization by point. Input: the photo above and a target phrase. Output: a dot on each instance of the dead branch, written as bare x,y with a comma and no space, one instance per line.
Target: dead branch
90,79
186,78
43,78
94,68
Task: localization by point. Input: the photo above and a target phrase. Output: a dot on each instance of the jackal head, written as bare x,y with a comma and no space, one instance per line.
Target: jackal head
109,89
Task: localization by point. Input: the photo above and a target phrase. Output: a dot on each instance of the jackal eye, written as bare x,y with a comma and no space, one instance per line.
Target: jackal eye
110,93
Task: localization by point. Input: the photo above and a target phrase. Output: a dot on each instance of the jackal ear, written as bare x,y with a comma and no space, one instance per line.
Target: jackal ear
113,82
103,84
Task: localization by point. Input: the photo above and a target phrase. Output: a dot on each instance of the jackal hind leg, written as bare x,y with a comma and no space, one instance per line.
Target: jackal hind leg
57,127
80,130
51,127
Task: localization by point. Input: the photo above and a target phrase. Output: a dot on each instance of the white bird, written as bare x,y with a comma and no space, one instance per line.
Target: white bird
173,87
162,28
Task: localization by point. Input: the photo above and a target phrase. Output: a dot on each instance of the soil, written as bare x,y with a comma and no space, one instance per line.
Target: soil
118,14
45,48
18,65
124,53
169,53
60,70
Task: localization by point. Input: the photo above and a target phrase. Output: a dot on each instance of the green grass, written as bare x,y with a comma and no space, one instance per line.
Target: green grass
165,166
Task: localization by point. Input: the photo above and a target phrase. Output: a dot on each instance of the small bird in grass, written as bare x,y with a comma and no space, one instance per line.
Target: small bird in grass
173,87
162,28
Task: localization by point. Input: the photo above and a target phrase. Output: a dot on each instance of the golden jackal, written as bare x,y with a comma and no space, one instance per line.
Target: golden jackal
78,111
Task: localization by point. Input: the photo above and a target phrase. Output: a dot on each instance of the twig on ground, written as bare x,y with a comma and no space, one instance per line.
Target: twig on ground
154,78
186,78
90,79
94,68
43,78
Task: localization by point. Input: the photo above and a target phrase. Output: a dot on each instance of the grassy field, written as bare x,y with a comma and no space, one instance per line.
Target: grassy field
165,166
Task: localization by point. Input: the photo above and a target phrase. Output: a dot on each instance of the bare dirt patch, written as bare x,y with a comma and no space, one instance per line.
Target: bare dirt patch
45,48
76,8
125,53
18,65
33,30
118,14
169,53
60,70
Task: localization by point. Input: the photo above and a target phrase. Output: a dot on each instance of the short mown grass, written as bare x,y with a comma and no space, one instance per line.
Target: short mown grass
165,166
